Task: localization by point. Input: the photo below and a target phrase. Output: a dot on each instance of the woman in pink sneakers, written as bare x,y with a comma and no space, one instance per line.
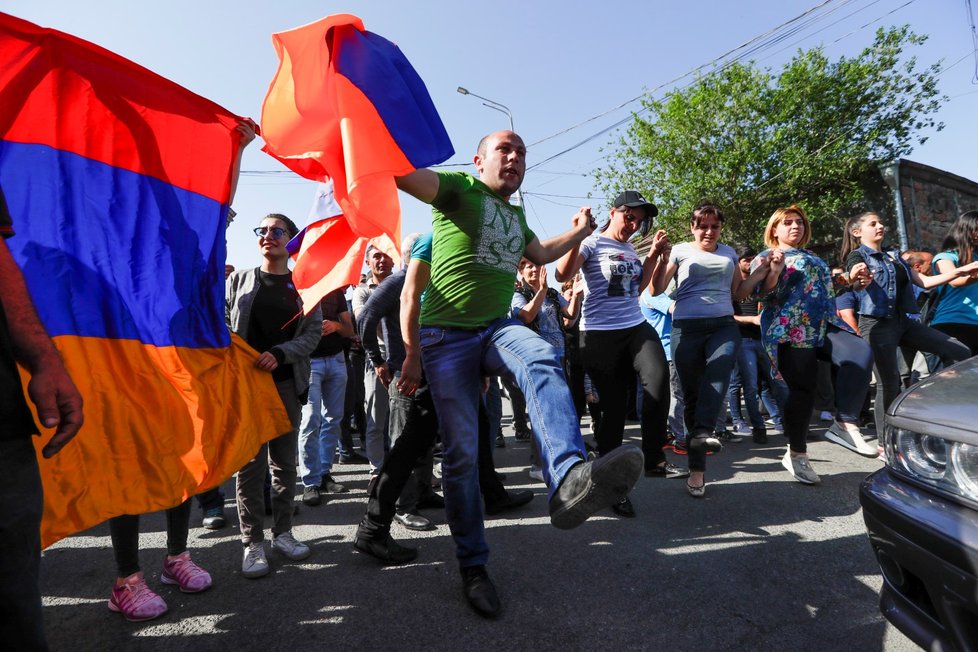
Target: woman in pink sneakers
130,595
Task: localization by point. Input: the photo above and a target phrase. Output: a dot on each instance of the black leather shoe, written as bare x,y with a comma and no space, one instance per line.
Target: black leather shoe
759,435
311,496
590,487
624,508
414,521
513,500
431,500
387,551
705,443
353,458
480,591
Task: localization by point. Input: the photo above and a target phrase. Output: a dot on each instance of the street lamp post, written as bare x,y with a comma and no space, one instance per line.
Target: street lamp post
502,108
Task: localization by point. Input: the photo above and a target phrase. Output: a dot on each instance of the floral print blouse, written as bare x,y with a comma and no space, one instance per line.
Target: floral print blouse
801,306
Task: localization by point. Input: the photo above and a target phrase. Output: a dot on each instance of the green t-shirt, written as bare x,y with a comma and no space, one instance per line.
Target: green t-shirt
479,239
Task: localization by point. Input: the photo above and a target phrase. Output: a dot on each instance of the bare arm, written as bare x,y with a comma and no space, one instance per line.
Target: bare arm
660,247
748,319
849,316
775,262
573,310
663,274
553,248
530,311
418,275
343,325
742,288
927,282
247,129
421,184
569,265
948,267
58,402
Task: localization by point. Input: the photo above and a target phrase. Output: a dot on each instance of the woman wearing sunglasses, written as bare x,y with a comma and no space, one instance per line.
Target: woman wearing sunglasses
263,307
616,341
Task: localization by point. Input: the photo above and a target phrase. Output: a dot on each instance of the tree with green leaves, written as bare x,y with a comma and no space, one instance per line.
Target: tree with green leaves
752,140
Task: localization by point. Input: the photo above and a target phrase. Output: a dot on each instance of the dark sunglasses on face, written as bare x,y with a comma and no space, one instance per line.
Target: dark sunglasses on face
275,231
630,216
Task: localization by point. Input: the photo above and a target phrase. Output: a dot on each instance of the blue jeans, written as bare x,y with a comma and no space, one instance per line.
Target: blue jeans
753,363
454,362
319,429
704,352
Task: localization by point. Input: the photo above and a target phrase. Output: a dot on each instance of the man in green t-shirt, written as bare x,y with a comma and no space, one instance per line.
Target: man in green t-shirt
465,333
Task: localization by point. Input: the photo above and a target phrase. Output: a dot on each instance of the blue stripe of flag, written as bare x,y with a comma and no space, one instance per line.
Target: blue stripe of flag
383,74
115,254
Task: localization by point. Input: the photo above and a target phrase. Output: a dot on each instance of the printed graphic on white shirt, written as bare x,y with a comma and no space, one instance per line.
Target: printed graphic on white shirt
623,273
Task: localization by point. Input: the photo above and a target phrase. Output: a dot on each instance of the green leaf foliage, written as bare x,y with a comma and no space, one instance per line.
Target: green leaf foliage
753,140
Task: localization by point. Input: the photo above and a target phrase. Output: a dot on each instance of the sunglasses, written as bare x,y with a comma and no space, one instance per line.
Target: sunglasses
629,216
274,231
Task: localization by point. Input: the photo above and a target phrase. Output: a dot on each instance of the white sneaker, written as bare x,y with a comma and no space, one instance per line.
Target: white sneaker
536,473
254,563
848,435
287,545
799,468
825,416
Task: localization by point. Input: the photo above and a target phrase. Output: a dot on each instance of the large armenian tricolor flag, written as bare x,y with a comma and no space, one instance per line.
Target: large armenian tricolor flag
346,105
118,182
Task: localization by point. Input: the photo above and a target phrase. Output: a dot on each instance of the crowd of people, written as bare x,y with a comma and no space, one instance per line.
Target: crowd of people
690,337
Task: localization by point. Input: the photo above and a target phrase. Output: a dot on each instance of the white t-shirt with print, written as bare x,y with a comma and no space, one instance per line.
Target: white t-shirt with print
612,275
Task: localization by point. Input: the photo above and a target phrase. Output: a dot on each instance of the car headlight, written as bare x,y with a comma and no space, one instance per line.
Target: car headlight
949,466
964,464
924,455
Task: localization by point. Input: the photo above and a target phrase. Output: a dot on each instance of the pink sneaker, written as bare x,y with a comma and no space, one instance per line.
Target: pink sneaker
190,577
134,600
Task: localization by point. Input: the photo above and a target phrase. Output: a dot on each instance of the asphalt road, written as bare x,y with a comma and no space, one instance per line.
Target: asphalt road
762,563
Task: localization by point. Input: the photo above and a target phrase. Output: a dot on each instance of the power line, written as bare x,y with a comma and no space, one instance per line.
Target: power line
536,216
974,38
686,74
873,21
749,52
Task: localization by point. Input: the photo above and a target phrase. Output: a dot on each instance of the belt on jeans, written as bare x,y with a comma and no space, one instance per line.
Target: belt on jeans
469,329
329,355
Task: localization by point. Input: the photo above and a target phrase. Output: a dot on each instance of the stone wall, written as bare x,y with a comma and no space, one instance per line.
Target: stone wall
932,200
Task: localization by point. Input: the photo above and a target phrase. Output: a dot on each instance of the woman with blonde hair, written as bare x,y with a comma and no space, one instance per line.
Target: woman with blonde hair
799,325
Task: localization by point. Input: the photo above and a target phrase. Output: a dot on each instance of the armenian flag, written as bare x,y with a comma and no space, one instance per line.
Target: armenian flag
118,181
346,106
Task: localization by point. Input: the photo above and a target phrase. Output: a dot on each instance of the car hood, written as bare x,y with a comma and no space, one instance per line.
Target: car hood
945,404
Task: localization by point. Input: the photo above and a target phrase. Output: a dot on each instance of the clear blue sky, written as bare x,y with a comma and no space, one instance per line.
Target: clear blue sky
554,63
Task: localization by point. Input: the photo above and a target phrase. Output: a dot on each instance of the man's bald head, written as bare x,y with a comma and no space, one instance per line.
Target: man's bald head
501,161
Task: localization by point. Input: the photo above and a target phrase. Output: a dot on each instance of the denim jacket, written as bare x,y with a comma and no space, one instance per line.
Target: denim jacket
240,294
881,298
